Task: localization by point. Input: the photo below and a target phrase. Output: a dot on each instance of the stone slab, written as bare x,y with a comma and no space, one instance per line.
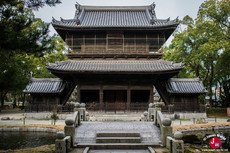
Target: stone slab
86,133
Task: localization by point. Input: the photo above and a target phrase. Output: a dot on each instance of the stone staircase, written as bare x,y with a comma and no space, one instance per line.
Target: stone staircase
126,135
118,137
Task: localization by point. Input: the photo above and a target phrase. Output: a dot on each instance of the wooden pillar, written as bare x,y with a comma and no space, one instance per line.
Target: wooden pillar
151,95
78,98
101,95
128,97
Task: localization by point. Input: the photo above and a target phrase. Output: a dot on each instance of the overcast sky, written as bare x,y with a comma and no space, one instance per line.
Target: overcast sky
164,8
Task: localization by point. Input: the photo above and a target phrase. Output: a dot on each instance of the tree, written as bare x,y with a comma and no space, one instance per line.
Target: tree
39,63
204,46
22,35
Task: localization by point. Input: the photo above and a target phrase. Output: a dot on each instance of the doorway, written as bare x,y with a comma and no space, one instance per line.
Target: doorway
90,98
115,99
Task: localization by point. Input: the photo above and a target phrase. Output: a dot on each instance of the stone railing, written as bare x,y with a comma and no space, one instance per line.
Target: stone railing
217,129
62,143
154,114
66,139
172,141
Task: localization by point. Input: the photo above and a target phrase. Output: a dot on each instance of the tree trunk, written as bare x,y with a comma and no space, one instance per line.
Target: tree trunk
2,99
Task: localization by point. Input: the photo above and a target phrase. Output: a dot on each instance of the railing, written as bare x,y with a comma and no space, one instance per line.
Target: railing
160,118
171,109
49,108
115,45
117,106
139,106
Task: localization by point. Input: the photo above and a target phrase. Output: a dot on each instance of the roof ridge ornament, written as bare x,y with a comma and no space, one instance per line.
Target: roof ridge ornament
53,19
77,6
153,5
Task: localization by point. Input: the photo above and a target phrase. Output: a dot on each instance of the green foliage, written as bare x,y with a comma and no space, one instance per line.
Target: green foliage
216,111
25,46
204,46
39,63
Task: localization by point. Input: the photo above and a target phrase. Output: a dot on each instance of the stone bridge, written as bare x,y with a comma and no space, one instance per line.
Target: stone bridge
155,130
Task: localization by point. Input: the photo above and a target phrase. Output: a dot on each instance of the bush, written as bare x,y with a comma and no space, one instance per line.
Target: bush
216,111
192,139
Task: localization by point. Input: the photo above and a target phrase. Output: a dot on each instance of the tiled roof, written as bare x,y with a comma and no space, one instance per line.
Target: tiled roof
182,85
44,85
99,16
115,66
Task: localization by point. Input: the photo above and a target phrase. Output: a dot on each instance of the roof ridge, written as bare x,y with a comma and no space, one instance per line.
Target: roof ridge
184,79
46,79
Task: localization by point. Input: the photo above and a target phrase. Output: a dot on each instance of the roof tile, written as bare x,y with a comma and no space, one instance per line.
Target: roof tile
182,85
44,85
126,66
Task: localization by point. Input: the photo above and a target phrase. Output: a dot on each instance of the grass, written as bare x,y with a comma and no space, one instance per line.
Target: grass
195,126
40,149
57,127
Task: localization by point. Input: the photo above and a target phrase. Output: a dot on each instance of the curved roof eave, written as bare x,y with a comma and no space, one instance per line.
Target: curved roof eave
72,28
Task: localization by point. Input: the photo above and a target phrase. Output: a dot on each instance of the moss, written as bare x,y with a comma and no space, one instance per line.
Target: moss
195,126
57,127
40,149
216,112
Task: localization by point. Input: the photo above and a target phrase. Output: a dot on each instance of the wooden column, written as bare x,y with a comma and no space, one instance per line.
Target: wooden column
101,95
128,97
151,95
78,98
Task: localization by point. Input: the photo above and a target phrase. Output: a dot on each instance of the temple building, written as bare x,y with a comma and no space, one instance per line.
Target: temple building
115,60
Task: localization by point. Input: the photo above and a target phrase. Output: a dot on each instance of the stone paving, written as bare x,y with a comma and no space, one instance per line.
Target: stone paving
118,151
86,133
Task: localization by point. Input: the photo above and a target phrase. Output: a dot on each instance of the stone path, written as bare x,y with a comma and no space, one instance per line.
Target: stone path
86,133
118,151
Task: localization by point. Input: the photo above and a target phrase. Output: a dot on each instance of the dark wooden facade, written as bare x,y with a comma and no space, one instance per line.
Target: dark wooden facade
115,56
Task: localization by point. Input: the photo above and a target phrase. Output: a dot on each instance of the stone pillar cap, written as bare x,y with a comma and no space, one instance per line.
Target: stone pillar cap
60,135
167,122
69,121
178,135
82,105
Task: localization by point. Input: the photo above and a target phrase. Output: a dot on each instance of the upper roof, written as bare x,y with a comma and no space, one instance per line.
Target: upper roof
115,66
45,85
114,16
185,86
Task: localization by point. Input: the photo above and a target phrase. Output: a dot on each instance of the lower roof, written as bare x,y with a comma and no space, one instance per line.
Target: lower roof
45,85
185,86
115,66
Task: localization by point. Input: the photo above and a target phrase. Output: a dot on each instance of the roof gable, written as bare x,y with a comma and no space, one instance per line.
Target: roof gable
114,16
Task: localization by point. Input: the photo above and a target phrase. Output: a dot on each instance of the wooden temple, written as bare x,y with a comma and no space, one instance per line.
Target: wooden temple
115,59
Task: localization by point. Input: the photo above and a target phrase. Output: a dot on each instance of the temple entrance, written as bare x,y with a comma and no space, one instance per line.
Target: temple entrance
115,99
139,99
90,98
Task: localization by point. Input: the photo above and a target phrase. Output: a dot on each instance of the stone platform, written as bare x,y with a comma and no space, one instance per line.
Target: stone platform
86,133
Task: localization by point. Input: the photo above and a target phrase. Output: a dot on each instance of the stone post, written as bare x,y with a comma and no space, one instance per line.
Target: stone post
60,143
178,143
77,108
70,129
82,111
145,116
87,116
157,107
150,112
166,130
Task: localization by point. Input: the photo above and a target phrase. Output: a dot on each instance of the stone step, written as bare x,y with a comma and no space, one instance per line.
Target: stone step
118,134
118,140
116,145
